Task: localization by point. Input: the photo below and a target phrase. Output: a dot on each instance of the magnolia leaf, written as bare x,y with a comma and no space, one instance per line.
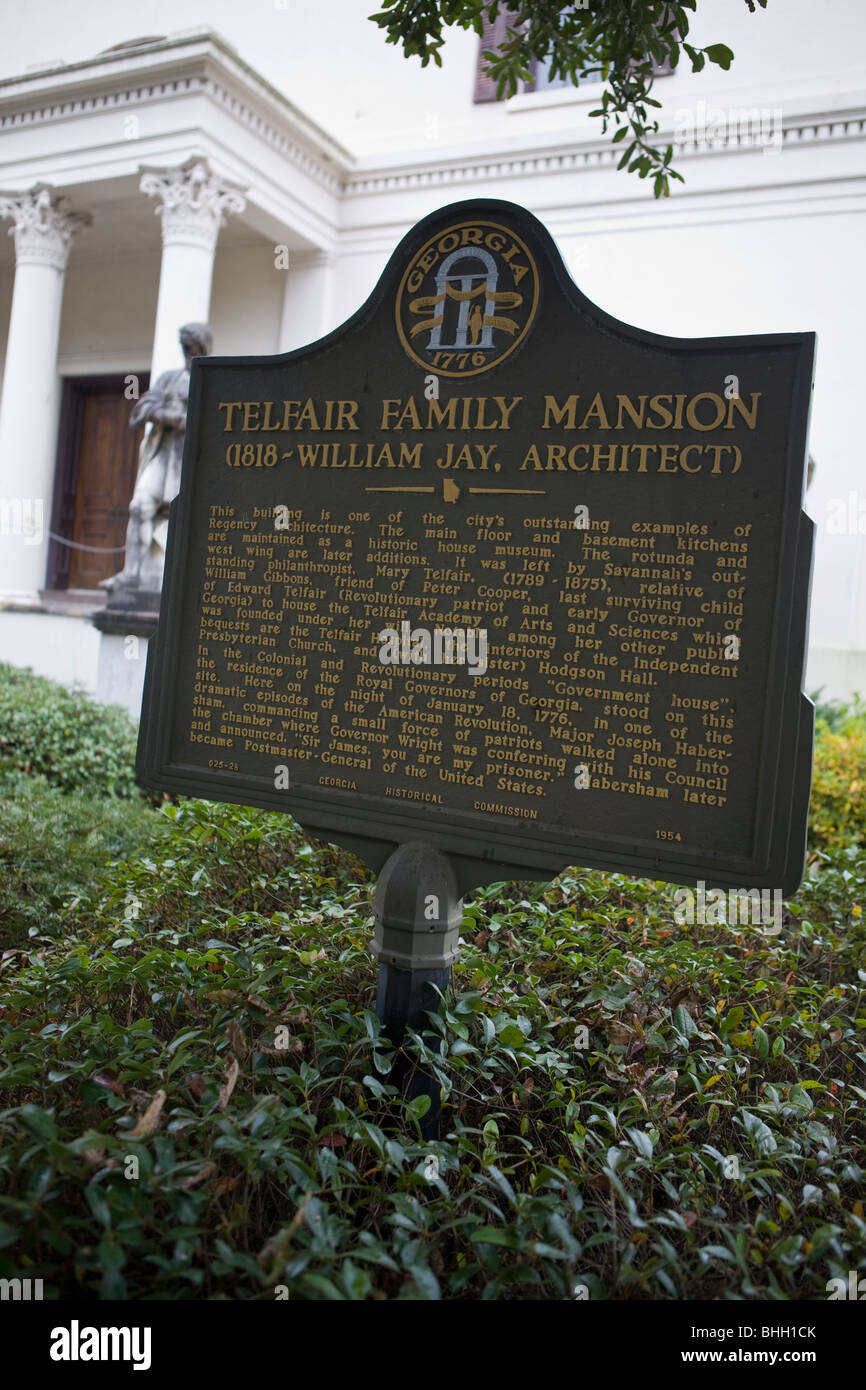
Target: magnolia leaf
231,1080
149,1121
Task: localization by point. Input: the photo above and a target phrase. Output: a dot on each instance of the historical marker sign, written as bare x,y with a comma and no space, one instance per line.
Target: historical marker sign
489,569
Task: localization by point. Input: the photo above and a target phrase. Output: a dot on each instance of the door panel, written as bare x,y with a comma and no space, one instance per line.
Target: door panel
100,461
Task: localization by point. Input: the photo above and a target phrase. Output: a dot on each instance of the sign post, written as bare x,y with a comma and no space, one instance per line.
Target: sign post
416,940
487,583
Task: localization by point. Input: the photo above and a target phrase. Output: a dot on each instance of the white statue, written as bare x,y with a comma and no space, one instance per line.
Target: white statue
163,407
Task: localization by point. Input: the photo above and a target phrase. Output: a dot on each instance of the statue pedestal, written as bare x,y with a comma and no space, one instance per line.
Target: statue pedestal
127,622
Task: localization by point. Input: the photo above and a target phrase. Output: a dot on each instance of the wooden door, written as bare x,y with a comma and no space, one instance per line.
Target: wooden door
97,466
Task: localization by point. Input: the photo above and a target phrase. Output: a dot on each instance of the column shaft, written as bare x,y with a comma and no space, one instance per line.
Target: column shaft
29,406
185,278
307,299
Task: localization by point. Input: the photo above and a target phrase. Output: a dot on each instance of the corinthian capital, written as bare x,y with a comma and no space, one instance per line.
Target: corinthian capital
43,226
193,202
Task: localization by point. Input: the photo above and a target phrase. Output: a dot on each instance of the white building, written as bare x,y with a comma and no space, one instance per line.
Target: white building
291,127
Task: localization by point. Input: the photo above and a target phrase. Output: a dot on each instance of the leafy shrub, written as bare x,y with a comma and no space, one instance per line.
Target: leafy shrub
835,712
76,744
54,844
199,1100
837,815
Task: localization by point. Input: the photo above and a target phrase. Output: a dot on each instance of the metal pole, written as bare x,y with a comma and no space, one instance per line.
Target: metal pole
416,939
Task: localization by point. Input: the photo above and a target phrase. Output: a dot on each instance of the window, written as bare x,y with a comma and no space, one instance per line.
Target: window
494,36
543,82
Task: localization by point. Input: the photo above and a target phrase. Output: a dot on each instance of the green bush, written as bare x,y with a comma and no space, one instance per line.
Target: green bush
833,713
54,844
837,814
199,1101
75,743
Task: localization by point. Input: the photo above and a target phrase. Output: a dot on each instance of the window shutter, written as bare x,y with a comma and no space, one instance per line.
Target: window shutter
493,36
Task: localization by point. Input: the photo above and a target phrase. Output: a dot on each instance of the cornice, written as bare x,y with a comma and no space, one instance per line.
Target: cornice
201,63
197,64
557,156
329,174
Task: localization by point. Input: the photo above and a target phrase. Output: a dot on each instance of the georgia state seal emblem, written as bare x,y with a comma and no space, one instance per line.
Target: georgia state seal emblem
467,299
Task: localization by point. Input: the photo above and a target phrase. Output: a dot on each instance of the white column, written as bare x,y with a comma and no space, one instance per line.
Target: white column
193,201
43,228
307,298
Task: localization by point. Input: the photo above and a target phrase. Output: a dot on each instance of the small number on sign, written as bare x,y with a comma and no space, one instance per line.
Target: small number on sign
251,455
445,359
